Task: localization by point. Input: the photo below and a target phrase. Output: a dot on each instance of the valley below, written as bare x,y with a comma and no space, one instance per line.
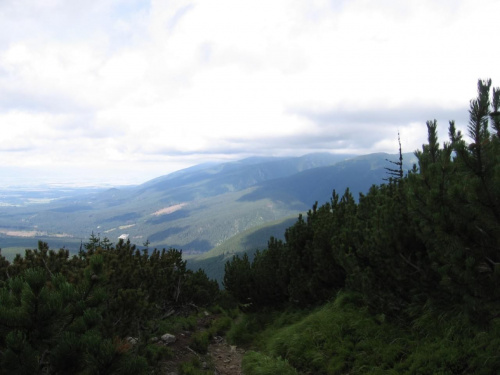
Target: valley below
209,211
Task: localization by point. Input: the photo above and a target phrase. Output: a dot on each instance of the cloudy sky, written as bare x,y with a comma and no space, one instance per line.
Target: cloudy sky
121,91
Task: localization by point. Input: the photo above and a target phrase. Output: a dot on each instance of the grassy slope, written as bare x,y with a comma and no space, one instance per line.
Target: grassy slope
342,337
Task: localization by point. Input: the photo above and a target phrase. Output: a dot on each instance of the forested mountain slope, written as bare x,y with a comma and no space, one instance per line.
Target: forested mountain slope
198,208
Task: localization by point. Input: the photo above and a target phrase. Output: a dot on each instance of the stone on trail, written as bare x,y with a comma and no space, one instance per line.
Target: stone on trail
167,338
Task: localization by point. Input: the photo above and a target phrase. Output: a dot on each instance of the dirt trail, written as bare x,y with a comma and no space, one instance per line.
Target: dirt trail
226,358
222,358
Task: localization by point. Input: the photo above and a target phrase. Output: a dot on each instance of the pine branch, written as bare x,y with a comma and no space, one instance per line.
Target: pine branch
410,263
397,173
47,268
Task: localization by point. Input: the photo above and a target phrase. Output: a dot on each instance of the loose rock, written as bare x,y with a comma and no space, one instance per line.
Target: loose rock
167,338
132,340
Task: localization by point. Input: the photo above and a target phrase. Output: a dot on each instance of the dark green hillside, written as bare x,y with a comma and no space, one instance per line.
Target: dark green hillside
199,183
357,174
249,241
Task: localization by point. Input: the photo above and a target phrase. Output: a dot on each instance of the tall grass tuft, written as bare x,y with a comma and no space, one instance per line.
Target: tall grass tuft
259,364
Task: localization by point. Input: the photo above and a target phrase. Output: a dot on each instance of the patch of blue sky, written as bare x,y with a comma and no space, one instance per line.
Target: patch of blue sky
127,9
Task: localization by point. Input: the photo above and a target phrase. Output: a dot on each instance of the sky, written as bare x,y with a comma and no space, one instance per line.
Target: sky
121,91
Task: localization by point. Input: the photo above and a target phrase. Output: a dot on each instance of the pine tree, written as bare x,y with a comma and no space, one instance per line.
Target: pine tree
455,200
238,278
71,315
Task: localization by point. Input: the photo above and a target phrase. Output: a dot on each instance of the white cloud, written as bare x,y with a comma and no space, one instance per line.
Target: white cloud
149,87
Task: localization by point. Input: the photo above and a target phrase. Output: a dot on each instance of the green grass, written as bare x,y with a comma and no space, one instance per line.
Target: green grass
220,326
193,367
339,338
259,364
343,337
154,353
200,341
176,324
255,329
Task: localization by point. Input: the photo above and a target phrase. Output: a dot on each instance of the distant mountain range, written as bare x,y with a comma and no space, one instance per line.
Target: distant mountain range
199,208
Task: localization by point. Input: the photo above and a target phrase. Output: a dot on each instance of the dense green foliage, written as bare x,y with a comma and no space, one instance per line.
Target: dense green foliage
70,315
261,364
422,245
345,337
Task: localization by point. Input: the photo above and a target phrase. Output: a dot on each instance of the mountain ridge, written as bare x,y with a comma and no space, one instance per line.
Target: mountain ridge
212,202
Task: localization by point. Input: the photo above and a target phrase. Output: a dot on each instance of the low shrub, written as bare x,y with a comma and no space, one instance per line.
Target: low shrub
259,364
200,341
193,367
339,338
220,326
246,328
176,324
155,353
240,332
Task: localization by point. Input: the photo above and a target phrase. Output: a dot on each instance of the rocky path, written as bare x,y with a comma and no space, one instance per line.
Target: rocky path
226,358
221,358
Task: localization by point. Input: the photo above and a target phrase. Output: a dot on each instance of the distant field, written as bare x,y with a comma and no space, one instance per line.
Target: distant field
16,245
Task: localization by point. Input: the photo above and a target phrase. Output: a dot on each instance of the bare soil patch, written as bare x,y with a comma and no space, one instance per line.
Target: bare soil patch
226,358
221,358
